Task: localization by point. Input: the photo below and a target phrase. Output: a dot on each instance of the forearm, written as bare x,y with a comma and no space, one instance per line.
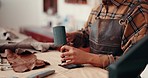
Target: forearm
100,60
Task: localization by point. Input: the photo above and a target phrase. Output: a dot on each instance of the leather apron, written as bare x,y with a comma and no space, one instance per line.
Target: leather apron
106,34
105,37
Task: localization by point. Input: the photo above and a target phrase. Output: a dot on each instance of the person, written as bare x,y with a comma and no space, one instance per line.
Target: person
111,30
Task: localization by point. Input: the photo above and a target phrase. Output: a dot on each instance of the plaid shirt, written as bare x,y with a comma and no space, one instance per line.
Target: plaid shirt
135,27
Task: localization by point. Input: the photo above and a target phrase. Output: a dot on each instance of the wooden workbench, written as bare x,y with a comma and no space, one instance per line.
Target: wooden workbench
53,57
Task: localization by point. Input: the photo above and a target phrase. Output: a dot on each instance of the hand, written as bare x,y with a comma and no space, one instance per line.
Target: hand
74,56
70,38
74,39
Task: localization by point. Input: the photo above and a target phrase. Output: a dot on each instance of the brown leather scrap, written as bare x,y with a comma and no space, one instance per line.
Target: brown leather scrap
25,61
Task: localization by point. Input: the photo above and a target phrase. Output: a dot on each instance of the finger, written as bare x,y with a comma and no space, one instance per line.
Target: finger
66,54
62,56
67,58
69,62
63,61
65,48
62,49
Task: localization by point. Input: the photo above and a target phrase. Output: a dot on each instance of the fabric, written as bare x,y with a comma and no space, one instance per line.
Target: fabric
24,61
102,38
21,50
135,27
10,39
28,43
7,35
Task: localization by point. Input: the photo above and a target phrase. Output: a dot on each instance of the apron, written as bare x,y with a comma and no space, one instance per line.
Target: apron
105,37
106,34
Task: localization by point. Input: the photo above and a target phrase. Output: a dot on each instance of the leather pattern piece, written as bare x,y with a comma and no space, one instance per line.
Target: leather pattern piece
25,61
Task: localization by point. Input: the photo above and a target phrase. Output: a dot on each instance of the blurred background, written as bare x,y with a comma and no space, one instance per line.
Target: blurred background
70,13
37,17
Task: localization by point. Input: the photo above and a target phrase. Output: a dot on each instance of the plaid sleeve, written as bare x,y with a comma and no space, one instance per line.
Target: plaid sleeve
136,28
84,32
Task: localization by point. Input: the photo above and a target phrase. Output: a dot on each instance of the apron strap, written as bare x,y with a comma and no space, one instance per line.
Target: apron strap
100,10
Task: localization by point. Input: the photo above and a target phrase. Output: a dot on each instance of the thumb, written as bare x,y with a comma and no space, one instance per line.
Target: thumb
65,48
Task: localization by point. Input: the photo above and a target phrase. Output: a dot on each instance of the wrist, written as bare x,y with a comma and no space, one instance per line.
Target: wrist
91,58
94,60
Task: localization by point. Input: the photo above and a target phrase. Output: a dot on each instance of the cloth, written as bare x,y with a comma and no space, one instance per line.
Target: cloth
23,60
13,40
28,43
7,35
103,40
134,28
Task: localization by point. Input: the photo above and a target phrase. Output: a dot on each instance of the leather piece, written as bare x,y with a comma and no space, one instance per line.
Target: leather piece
28,43
105,37
25,61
